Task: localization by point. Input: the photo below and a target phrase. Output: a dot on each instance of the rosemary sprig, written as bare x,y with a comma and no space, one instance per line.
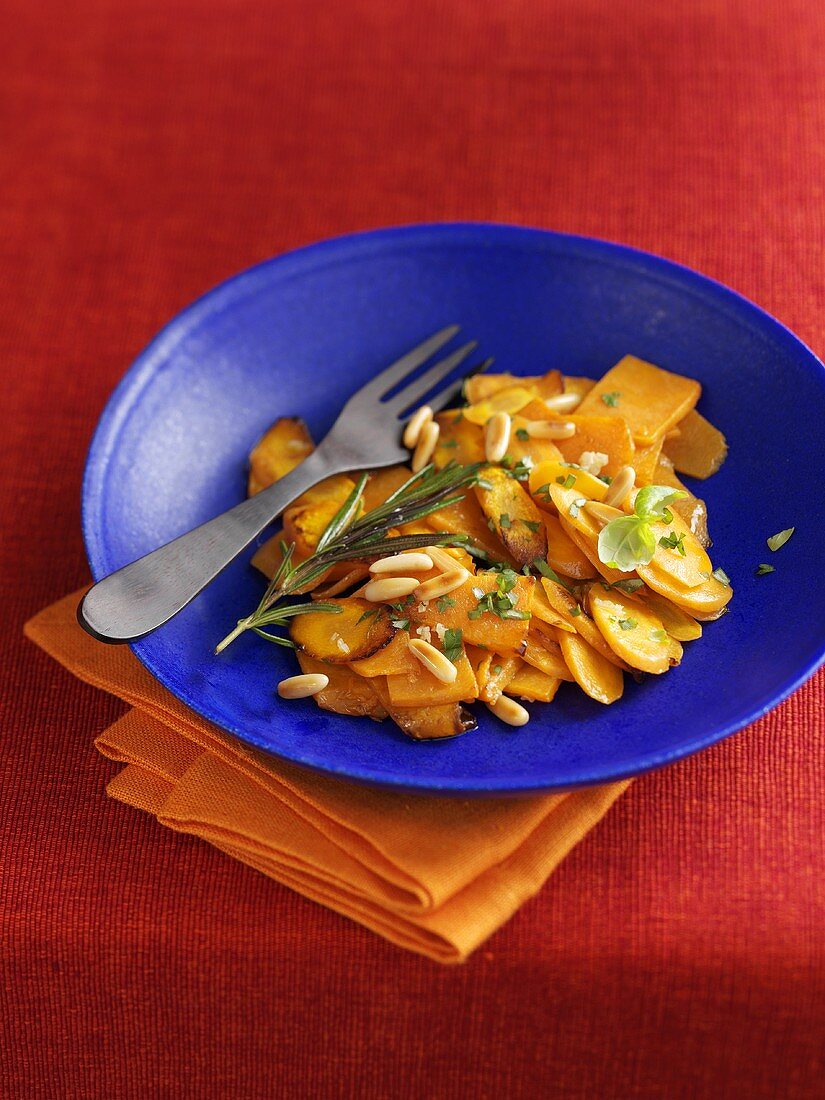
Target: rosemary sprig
347,538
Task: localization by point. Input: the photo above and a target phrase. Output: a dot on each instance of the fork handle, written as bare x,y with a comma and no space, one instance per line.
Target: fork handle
137,599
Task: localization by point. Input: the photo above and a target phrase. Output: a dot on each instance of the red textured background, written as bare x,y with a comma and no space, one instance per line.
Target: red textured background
148,150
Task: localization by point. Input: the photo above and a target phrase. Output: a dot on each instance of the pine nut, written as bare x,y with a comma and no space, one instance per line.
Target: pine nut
563,402
622,483
402,563
602,513
445,562
509,711
299,687
433,660
425,446
497,436
550,429
441,585
415,425
388,589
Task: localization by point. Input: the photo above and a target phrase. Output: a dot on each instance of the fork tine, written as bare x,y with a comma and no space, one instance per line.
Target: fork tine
396,372
453,390
412,394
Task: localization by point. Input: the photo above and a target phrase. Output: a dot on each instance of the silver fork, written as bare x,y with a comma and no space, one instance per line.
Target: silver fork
135,600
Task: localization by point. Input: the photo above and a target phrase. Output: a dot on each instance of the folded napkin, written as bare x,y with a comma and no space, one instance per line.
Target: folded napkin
436,875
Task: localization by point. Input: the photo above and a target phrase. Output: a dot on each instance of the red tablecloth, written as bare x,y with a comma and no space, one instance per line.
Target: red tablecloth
148,150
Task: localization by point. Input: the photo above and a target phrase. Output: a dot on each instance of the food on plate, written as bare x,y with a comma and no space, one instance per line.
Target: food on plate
540,535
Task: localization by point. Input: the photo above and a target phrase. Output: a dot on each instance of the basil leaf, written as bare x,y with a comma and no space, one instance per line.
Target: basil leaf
627,543
652,501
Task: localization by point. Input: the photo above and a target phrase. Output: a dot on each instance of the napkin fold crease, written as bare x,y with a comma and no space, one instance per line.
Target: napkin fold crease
432,874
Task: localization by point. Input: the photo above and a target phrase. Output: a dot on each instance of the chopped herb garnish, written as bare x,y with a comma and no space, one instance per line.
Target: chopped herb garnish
443,602
606,478
658,635
611,399
628,624
672,541
476,612
521,470
576,611
721,576
497,670
369,614
401,624
775,542
543,491
504,521
448,442
531,524
522,434
453,644
630,585
507,460
458,417
761,570
566,482
546,571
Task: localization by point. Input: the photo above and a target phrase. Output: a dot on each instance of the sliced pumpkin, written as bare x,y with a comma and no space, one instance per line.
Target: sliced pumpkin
699,449
609,435
359,630
705,602
465,517
645,461
576,618
691,508
651,400
543,611
459,440
534,685
502,635
428,723
687,563
595,675
527,449
578,384
346,693
279,450
545,654
559,472
562,553
510,400
382,483
580,527
393,659
306,519
632,630
419,685
502,670
678,624
510,510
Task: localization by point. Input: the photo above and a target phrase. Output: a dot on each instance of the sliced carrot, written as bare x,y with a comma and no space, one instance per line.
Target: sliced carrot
700,449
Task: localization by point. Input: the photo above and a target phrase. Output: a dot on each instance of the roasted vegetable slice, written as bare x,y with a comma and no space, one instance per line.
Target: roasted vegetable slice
705,602
278,451
429,723
562,553
545,654
534,685
561,473
513,514
308,517
420,686
691,508
595,675
650,399
465,517
467,609
633,631
576,618
345,693
459,440
509,400
606,434
502,670
359,630
678,624
699,449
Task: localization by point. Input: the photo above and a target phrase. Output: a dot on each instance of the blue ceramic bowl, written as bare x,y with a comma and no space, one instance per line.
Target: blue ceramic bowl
296,336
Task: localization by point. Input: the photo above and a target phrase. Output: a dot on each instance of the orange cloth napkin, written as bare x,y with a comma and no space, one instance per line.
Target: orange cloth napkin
436,875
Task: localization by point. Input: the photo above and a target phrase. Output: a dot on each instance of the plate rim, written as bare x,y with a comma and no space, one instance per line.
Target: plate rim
142,370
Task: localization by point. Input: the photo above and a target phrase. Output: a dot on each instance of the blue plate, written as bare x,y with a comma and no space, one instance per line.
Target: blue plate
298,334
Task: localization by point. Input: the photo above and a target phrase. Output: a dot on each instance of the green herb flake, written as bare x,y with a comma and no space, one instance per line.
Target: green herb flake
522,434
672,541
721,576
628,624
401,624
606,478
521,470
531,524
543,491
453,644
611,399
776,542
658,635
566,482
443,602
505,521
369,614
448,443
576,611
497,670
761,570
